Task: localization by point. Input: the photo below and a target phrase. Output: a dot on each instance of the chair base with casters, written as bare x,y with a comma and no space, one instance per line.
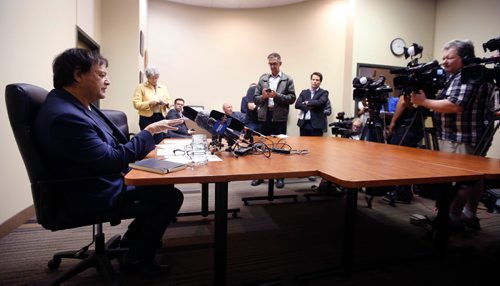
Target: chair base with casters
204,205
100,258
270,195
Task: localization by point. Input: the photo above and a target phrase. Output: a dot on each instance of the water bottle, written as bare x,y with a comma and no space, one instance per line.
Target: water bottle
199,149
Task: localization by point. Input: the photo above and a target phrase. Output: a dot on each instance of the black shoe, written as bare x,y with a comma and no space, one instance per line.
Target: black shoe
280,183
471,223
256,182
125,242
391,199
312,178
143,268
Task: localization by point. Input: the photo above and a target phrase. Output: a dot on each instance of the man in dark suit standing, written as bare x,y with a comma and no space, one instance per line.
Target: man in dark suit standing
79,142
311,105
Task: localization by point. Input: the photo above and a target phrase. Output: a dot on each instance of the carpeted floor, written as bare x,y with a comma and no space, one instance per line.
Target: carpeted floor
274,243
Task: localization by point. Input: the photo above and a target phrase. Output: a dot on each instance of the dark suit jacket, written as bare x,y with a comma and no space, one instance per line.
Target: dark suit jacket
316,106
76,144
183,129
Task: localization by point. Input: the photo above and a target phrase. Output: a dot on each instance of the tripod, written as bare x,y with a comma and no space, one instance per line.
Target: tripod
410,132
485,142
373,131
426,131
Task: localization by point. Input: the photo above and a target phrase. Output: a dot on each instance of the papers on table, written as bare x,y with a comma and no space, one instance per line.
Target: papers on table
174,150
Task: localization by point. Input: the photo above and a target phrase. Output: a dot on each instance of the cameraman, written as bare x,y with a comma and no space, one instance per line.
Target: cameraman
460,116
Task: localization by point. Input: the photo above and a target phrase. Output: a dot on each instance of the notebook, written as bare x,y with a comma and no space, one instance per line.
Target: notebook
157,166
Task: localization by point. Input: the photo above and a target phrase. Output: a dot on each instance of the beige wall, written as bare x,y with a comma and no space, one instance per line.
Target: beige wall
120,45
211,55
88,18
30,39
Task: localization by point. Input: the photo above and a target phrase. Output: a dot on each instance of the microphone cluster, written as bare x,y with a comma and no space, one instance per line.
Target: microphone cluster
220,125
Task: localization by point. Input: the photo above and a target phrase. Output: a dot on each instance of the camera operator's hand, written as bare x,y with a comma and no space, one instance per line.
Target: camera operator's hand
163,125
419,98
438,105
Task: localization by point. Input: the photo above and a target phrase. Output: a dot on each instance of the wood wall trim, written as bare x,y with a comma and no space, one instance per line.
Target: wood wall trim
16,221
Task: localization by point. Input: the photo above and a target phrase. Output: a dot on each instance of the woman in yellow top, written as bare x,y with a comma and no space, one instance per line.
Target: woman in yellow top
151,101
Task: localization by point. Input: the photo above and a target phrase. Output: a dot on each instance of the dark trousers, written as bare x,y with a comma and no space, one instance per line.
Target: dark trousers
145,121
413,135
153,208
270,127
253,125
406,134
308,130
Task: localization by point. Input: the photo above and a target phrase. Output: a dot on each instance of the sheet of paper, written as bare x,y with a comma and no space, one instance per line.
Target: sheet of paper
167,148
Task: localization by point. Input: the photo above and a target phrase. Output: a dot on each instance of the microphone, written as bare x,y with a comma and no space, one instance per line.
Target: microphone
247,130
231,122
221,129
190,112
421,68
200,118
207,120
380,81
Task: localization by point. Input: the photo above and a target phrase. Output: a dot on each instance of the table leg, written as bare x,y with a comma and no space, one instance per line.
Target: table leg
220,233
348,242
349,230
445,196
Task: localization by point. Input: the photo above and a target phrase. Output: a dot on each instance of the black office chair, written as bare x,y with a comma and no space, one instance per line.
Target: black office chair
119,118
23,102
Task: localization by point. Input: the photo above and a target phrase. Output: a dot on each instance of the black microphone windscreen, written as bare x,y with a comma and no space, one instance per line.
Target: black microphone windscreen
211,121
231,122
190,113
398,71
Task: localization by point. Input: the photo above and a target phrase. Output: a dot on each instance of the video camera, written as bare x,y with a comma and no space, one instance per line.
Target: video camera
475,70
343,127
375,91
429,77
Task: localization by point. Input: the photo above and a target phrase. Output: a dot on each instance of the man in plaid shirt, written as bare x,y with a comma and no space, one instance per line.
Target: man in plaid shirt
461,116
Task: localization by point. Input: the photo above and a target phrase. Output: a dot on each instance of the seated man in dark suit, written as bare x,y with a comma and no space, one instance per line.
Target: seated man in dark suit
228,110
78,141
181,130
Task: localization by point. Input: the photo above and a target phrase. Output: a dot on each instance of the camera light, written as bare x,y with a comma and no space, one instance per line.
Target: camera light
413,50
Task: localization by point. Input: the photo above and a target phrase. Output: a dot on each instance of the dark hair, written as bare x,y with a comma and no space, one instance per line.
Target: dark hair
318,74
178,99
464,48
73,59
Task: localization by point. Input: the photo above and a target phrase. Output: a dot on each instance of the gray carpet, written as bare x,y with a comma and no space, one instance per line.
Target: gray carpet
273,243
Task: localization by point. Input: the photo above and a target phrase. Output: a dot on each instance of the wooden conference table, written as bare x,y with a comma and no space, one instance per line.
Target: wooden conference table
349,163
